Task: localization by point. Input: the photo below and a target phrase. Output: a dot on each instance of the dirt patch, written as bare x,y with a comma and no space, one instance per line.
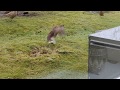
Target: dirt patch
28,14
37,51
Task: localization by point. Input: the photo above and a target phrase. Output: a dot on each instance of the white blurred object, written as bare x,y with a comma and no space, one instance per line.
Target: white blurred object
52,41
118,78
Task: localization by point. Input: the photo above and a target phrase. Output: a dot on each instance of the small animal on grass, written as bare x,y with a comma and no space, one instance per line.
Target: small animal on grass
55,31
11,14
101,13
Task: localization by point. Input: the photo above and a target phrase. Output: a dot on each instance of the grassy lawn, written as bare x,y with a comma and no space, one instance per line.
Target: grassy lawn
23,36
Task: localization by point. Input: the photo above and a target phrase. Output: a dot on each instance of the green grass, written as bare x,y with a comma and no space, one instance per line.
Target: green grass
25,35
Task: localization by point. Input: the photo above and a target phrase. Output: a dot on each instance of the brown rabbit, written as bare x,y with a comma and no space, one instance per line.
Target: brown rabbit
101,13
55,31
11,14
